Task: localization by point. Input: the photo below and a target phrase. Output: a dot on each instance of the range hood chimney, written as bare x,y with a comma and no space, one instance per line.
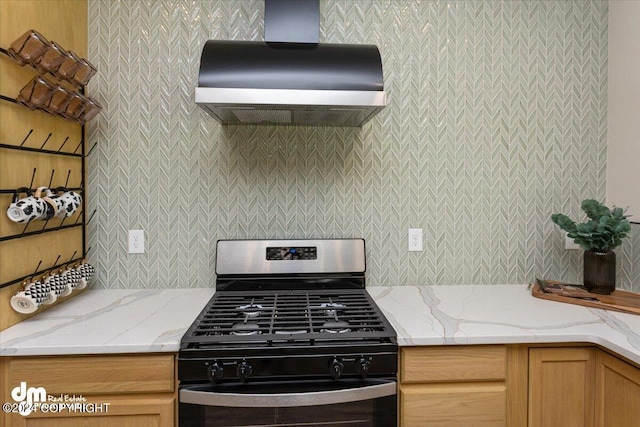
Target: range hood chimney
290,78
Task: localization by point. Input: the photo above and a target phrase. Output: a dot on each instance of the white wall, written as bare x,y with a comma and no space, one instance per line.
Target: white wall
623,140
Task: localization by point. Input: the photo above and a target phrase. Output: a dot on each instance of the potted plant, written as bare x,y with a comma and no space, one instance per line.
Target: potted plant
598,236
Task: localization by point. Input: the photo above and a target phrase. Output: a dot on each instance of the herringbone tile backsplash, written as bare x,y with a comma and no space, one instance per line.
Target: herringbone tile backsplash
496,119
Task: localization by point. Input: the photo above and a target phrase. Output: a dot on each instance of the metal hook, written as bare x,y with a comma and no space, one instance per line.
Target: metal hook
78,219
90,217
26,137
36,271
63,142
33,176
53,171
55,263
79,145
49,270
67,181
45,141
6,98
91,149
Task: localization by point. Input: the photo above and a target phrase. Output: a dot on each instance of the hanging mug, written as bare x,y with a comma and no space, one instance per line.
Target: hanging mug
86,271
41,289
64,284
29,299
27,208
52,205
51,286
68,202
59,283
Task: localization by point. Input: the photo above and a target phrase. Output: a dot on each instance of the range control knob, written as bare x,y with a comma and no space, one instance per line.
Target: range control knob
362,367
335,368
244,371
215,371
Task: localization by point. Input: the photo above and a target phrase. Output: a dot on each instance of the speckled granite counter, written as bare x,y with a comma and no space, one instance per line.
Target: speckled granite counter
138,321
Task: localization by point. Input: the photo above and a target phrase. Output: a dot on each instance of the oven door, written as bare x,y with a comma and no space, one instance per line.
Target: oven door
346,403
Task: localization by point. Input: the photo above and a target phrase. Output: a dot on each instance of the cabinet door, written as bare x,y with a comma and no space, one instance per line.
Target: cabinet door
617,392
134,411
561,387
95,375
119,390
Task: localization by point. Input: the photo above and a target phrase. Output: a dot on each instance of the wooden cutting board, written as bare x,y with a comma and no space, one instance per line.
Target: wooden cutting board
623,301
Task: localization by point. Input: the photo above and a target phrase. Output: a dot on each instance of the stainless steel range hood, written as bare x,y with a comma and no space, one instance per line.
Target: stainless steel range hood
280,81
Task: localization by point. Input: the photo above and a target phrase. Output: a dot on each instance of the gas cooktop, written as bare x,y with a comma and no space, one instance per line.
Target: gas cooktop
301,317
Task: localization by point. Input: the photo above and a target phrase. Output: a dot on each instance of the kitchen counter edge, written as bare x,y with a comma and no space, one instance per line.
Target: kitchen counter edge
109,321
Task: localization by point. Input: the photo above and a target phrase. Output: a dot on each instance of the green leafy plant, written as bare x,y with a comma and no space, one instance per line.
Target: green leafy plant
604,230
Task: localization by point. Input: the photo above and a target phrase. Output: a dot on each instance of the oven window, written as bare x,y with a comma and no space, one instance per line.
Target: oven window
379,412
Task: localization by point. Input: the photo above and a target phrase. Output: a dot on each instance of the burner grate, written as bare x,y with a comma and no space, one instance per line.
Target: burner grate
294,317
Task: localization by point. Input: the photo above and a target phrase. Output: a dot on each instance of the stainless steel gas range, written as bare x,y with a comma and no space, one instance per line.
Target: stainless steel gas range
290,338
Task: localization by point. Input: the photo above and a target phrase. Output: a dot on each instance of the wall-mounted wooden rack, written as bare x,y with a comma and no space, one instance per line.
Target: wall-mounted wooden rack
36,139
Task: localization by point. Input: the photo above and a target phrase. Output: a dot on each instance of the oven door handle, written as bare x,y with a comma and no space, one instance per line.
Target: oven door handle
283,400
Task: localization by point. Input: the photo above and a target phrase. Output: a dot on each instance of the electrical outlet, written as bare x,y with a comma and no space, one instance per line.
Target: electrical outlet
569,243
415,239
136,241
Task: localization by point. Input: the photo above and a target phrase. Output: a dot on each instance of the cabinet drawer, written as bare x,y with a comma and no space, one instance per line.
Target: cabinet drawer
93,375
140,410
453,405
455,363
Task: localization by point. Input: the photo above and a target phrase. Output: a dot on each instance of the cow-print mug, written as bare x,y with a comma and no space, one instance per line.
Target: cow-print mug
68,202
27,208
51,203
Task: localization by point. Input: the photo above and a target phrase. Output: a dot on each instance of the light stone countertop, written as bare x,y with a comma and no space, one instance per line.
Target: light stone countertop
101,321
140,321
500,314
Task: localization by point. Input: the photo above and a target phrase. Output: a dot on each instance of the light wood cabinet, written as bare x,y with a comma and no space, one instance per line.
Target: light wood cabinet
453,386
50,161
561,386
617,396
517,386
582,386
139,390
